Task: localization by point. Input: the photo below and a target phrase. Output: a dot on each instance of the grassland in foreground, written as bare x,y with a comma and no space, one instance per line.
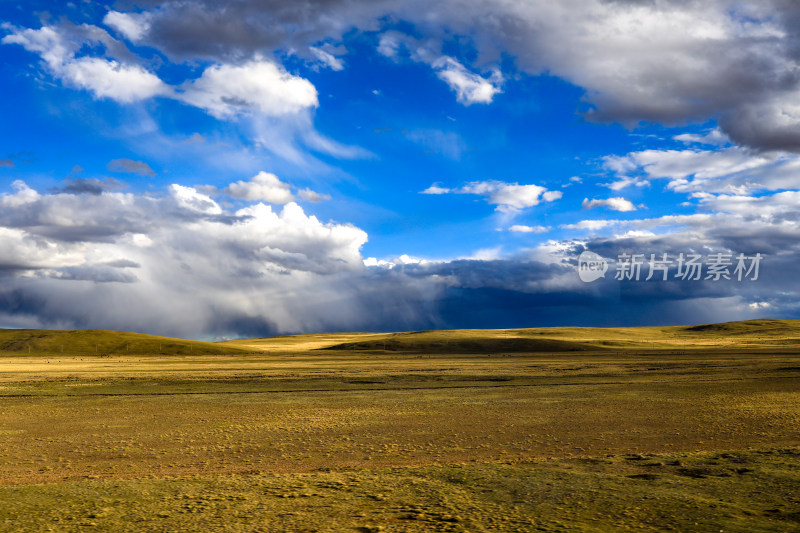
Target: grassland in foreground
686,429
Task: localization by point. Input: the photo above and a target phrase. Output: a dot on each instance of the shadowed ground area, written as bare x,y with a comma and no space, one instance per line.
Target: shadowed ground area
430,433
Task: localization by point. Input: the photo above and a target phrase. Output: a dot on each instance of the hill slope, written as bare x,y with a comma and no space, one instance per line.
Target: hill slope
748,334
98,341
470,341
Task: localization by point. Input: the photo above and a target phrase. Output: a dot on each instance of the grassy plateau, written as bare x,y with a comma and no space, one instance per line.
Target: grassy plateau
685,428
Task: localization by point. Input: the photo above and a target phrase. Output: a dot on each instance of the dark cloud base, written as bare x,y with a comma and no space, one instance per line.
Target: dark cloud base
395,301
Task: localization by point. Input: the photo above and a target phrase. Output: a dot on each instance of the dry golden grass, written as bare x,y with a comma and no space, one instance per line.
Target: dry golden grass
101,342
747,335
409,439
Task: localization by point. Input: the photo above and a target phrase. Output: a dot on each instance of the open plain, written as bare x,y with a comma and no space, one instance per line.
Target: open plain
689,428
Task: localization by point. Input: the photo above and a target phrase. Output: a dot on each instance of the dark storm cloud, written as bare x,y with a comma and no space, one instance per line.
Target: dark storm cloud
246,326
762,125
516,275
18,302
524,293
495,308
239,28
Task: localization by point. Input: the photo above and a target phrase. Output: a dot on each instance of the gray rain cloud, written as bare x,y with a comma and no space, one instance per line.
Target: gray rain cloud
180,263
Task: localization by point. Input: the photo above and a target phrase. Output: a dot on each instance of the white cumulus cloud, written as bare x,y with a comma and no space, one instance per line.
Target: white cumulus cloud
435,189
470,88
326,58
258,86
615,204
111,79
105,78
190,199
518,228
263,186
508,197
267,187
312,196
132,25
726,169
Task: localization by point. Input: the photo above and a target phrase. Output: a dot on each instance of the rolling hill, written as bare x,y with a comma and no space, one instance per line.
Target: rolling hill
759,334
748,334
103,342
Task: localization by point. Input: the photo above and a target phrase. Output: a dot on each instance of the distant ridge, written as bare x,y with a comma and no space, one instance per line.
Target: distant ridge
745,334
430,342
761,334
763,326
103,342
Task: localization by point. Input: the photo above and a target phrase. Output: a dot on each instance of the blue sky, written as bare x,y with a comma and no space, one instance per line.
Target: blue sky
219,169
